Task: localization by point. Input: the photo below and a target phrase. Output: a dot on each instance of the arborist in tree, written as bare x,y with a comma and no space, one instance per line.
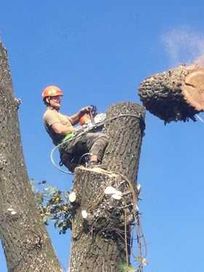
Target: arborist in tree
72,144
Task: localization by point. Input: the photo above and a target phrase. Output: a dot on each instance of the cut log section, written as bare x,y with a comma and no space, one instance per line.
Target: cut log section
177,94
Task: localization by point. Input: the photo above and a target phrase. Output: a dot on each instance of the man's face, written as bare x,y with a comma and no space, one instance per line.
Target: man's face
55,101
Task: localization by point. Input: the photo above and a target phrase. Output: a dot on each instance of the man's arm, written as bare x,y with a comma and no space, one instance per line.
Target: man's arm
51,119
74,119
61,129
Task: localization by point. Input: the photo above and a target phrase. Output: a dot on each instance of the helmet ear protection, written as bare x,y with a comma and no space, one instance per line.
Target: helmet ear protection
51,91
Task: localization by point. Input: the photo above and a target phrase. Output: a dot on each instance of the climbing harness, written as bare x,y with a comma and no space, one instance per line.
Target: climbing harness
98,121
67,138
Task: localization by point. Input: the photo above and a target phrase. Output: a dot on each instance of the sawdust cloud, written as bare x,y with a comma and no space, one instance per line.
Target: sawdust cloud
184,46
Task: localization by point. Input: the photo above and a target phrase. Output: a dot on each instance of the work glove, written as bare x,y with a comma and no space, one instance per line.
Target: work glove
89,109
93,110
86,109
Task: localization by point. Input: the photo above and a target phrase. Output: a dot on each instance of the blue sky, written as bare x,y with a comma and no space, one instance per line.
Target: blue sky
98,52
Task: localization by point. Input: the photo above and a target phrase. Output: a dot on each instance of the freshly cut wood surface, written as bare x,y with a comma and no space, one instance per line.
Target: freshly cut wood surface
193,89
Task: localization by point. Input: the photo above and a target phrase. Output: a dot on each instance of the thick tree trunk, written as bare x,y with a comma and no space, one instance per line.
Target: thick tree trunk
24,238
177,94
106,198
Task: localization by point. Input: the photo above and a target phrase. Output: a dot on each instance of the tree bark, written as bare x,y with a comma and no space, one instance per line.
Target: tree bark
101,227
177,94
24,238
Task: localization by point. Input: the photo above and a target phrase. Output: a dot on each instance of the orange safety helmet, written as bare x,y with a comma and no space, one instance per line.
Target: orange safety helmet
51,91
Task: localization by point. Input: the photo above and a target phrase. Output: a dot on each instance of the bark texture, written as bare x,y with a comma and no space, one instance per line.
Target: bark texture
102,222
24,238
177,94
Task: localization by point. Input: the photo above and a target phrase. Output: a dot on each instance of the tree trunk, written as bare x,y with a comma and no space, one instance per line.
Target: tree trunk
177,94
24,238
106,196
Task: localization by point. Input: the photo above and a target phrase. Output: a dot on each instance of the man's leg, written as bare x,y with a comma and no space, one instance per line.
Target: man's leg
68,155
96,144
67,160
91,142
